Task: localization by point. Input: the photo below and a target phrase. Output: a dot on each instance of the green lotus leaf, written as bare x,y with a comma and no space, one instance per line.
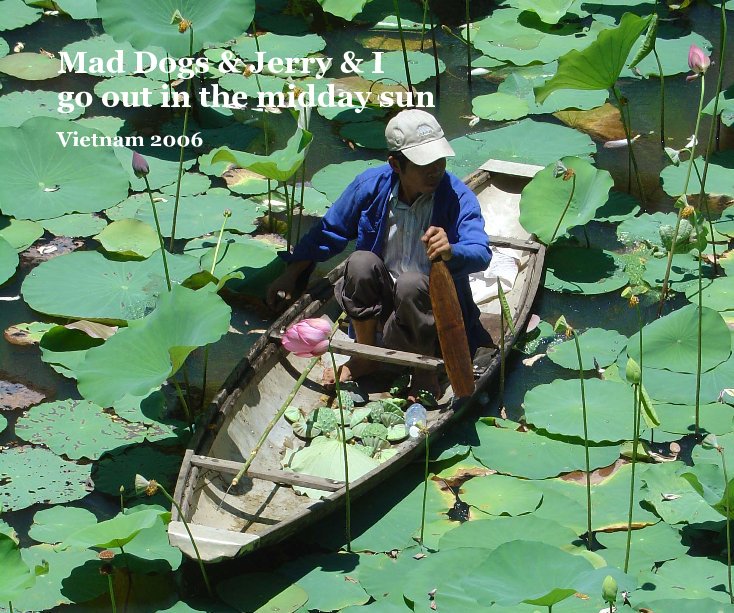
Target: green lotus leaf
20,233
73,577
672,47
556,408
645,227
595,343
17,107
74,225
79,429
392,66
279,165
150,550
64,349
47,180
278,45
550,11
192,184
142,356
549,575
86,285
709,483
346,9
671,342
618,208
367,134
324,577
544,206
717,293
725,224
249,186
683,271
577,270
680,388
162,171
521,87
130,91
601,63
353,114
4,48
714,417
384,578
685,605
105,48
501,495
55,524
8,260
725,106
718,177
115,532
702,577
499,106
236,82
262,593
30,66
16,14
333,179
527,141
533,456
118,468
152,24
709,455
16,576
3,423
130,237
198,605
34,475
79,9
107,125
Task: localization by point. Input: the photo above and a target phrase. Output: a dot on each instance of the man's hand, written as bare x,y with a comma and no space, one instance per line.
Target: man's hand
437,244
283,290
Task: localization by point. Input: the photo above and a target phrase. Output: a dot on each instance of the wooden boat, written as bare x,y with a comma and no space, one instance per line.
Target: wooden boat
264,508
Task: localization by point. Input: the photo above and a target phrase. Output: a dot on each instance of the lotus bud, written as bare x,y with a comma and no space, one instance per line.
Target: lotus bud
710,442
140,165
227,213
308,338
633,372
698,61
609,589
561,327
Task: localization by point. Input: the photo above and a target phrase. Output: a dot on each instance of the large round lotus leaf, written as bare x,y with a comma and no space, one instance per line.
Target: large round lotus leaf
43,179
8,260
115,532
671,342
618,207
556,407
680,388
105,48
79,9
192,184
577,270
278,45
86,285
118,469
725,224
79,429
198,605
151,24
142,356
236,82
17,576
333,179
109,126
501,495
549,575
546,197
74,224
55,524
717,294
490,533
129,237
718,177
392,66
162,171
35,475
351,114
715,417
521,88
4,48
532,456
324,577
315,203
645,227
64,349
151,544
262,593
16,14
527,141
683,605
367,134
650,545
683,271
383,576
701,576
550,11
672,47
499,106
20,233
595,343
30,67
130,91
17,107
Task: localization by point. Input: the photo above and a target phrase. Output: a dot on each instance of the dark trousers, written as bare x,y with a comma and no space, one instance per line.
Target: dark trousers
367,291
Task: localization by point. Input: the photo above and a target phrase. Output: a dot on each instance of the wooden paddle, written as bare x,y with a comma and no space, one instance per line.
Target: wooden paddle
451,331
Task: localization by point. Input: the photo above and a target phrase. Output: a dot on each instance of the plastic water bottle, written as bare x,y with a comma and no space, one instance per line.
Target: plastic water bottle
416,419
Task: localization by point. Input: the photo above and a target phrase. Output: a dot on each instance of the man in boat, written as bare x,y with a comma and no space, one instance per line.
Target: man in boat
403,215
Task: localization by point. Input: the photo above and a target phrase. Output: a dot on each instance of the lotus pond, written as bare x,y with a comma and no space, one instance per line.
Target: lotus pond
128,296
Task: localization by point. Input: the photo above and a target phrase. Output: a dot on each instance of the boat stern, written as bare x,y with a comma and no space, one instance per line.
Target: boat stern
214,544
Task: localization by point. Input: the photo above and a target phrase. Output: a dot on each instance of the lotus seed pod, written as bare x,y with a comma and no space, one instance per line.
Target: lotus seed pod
633,372
609,589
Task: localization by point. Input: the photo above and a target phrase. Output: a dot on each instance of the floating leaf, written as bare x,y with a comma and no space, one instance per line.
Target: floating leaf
30,66
680,388
17,107
596,344
718,176
392,66
346,9
192,184
129,237
577,270
74,225
118,468
262,593
20,233
16,576
16,14
8,260
55,524
151,545
550,11
115,532
702,577
333,179
672,48
279,45
500,495
499,106
162,171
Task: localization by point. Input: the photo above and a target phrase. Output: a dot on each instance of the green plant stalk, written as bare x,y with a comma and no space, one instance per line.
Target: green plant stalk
183,148
502,356
666,279
435,54
728,523
191,538
662,97
468,44
425,490
589,534
10,606
158,230
112,594
565,209
635,442
347,495
300,210
699,347
402,44
219,243
423,23
628,134
184,404
270,196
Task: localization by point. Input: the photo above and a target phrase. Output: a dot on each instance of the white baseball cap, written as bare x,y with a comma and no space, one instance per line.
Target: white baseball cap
417,135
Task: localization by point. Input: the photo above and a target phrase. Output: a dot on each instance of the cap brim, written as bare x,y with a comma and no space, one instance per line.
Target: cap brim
427,153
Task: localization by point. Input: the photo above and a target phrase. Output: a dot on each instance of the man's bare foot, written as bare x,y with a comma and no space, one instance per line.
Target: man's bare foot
352,370
423,380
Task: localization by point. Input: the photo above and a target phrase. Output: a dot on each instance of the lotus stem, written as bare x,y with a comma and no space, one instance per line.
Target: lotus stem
183,148
300,210
158,230
683,199
635,442
699,347
425,489
347,495
662,97
728,520
10,607
423,23
435,53
627,133
589,533
402,44
565,209
502,355
270,196
112,594
184,404
468,44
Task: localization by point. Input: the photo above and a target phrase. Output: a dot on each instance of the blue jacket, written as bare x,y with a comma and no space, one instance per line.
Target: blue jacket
361,212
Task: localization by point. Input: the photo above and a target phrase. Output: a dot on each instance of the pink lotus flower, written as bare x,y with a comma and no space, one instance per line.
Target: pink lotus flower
308,338
140,165
698,61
